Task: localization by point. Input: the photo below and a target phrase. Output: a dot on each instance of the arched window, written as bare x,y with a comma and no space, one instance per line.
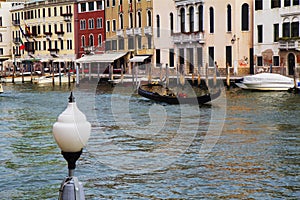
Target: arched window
171,22
158,25
200,10
245,17
149,18
229,18
121,21
99,40
130,20
139,19
83,41
182,20
91,40
211,20
191,10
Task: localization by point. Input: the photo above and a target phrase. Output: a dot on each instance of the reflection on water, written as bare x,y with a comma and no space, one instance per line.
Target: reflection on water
256,156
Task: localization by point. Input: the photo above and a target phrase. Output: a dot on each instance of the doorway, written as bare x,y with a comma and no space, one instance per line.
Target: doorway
291,63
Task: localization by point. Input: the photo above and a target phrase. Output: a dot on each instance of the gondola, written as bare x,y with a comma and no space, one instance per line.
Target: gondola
170,97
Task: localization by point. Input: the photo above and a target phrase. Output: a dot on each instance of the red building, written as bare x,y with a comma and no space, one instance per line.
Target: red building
89,27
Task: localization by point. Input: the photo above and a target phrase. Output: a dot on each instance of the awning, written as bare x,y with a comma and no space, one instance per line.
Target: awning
138,58
103,58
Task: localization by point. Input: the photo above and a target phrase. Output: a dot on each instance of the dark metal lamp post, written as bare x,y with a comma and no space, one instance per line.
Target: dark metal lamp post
71,132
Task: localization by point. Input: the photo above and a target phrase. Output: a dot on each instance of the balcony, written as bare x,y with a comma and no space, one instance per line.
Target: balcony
17,40
129,31
138,31
188,37
89,49
60,34
120,33
290,44
67,16
148,30
16,22
53,52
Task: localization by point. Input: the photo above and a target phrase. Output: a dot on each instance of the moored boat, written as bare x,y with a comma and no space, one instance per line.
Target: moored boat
1,88
57,78
266,82
157,92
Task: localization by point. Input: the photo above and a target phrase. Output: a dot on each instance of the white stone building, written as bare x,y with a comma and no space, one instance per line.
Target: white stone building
214,30
276,35
5,32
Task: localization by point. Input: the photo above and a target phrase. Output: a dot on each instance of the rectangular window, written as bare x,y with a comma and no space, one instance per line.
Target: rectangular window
44,45
211,54
121,44
295,2
171,58
130,42
258,4
295,29
157,53
276,32
259,61
200,56
49,12
1,51
55,11
69,27
181,56
149,38
114,45
91,6
69,45
99,5
275,4
286,29
0,21
287,3
139,40
83,7
275,60
61,44
108,45
44,12
107,26
114,25
259,33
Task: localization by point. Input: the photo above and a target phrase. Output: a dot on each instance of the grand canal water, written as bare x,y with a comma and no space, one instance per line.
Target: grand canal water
142,150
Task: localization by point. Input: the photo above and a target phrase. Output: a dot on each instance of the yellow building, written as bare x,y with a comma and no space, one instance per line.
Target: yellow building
46,28
129,28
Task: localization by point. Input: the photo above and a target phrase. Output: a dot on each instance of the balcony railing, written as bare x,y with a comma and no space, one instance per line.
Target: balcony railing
53,52
17,40
289,44
89,49
188,37
148,30
67,16
120,33
129,31
138,31
16,22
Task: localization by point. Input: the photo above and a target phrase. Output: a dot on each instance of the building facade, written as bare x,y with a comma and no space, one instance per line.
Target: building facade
210,31
164,23
46,28
90,27
276,35
5,32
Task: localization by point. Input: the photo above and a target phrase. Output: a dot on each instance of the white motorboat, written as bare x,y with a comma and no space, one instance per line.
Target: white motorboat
57,79
1,88
266,81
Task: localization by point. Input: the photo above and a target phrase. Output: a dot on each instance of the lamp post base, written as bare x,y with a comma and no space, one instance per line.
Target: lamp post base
71,189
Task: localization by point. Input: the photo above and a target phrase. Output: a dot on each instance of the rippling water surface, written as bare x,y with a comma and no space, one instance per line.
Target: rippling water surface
142,150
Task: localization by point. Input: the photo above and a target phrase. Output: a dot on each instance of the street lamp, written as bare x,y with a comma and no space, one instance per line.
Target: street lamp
71,132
